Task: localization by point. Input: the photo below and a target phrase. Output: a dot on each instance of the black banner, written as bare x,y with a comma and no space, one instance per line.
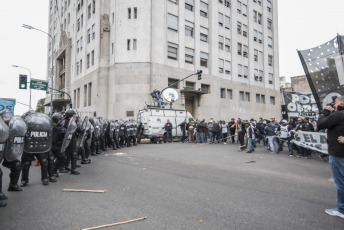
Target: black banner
324,68
300,105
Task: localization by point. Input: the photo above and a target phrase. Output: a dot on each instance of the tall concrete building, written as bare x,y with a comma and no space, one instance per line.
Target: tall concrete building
110,55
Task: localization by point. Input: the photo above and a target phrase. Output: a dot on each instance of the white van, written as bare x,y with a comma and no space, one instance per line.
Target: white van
154,120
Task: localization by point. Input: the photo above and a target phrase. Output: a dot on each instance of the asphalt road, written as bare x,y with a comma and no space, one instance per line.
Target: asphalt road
180,186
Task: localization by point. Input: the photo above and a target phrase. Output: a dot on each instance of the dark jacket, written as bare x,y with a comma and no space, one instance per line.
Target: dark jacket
270,129
182,126
168,127
216,127
334,123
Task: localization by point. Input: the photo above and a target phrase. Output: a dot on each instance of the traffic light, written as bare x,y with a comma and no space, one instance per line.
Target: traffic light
199,73
22,81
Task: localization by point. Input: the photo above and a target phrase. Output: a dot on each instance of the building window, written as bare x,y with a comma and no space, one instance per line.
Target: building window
173,1
89,93
255,15
223,93
92,58
130,113
269,24
81,66
94,6
134,44
113,17
245,51
129,13
220,42
259,18
257,98
74,98
270,60
88,36
241,96
135,12
88,60
262,99
112,48
89,11
81,42
239,7
256,55
256,73
239,70
255,35
78,28
204,34
204,9
205,88
270,42
245,71
271,78
82,20
189,4
78,98
244,30
269,6
85,95
68,18
204,59
229,94
239,48
220,19
172,22
244,10
227,3
247,96
128,44
261,75
93,31
227,67
172,51
77,68
227,45
221,63
173,83
272,100
227,22
189,29
190,85
239,25
77,46
260,37
189,55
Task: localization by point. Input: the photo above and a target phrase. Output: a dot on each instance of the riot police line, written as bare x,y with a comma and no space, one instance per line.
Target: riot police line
57,142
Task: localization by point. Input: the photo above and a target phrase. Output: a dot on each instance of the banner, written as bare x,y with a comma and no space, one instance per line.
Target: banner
300,105
311,140
7,104
324,68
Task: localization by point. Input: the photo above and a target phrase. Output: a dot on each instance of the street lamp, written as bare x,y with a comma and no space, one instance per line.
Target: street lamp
52,63
17,66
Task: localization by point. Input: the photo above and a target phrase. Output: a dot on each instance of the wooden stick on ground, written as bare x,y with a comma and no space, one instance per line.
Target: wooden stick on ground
114,224
82,190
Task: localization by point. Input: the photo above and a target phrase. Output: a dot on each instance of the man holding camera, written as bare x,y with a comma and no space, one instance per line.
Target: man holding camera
332,119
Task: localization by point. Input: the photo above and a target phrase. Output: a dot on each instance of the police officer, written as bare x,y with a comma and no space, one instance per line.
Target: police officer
122,131
95,145
58,135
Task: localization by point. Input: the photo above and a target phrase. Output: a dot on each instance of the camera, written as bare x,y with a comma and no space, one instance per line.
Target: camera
333,101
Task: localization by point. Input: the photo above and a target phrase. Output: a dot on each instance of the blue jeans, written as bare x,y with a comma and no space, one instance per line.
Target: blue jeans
200,138
337,167
250,144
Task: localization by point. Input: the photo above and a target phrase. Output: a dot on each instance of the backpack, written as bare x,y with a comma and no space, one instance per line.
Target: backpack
256,132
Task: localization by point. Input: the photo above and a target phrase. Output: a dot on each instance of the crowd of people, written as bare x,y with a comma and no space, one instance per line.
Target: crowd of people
248,132
57,143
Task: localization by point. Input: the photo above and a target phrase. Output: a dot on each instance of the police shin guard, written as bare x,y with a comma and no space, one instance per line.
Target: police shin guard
84,160
44,171
98,148
25,173
73,168
2,196
113,144
14,178
51,168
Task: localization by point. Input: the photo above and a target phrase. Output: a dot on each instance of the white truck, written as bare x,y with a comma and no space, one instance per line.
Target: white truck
154,119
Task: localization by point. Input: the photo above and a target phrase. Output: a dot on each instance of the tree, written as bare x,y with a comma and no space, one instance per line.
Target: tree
40,105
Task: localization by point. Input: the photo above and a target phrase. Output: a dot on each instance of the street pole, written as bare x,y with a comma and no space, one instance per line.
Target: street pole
52,62
17,66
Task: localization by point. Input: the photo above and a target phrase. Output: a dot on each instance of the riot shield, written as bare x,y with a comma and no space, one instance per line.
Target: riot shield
117,127
82,136
112,127
91,130
38,138
69,134
15,141
127,130
4,133
101,127
96,125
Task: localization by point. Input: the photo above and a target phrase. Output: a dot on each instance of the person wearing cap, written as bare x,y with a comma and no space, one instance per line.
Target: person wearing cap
283,134
232,127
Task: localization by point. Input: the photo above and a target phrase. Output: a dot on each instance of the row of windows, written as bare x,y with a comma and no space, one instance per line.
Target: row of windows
129,44
135,13
87,96
90,62
245,96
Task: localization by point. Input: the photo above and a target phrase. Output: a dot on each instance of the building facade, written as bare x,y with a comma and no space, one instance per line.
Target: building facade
110,55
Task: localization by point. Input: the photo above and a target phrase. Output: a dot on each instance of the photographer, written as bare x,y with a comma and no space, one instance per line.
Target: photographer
332,119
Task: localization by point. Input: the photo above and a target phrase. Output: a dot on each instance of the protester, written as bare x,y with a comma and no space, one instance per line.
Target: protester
224,131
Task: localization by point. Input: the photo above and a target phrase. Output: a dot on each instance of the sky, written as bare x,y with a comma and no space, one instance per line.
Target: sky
302,24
